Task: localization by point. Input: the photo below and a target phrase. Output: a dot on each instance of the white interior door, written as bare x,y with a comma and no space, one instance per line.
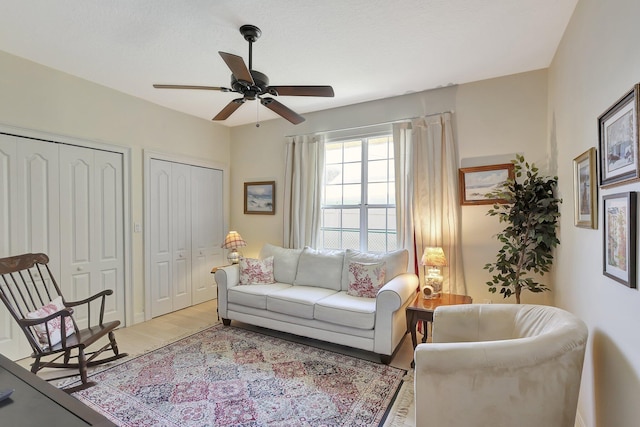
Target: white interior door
180,200
108,242
207,226
91,226
29,220
184,233
160,251
66,201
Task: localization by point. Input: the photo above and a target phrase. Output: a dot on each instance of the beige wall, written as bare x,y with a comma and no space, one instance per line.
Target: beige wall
596,63
39,98
493,119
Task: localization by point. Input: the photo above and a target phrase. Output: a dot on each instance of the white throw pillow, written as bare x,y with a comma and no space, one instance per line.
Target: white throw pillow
320,268
256,271
285,262
53,324
365,280
396,263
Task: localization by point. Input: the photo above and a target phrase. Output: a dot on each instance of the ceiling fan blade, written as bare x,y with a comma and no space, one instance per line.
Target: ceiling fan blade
229,109
282,110
301,90
237,66
222,89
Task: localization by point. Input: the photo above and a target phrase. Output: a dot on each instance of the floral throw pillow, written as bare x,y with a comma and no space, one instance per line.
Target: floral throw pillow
53,324
365,280
256,271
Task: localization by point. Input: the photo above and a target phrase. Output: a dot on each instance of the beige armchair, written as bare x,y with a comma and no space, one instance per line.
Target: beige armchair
500,365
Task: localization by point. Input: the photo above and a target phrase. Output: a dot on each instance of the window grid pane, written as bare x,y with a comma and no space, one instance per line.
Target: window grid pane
343,226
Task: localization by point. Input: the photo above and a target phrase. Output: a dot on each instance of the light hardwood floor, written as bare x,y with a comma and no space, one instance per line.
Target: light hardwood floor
146,336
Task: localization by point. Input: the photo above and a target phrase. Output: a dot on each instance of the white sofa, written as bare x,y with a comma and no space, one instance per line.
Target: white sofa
500,365
309,298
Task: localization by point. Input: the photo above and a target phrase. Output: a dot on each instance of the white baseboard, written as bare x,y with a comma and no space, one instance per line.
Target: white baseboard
138,317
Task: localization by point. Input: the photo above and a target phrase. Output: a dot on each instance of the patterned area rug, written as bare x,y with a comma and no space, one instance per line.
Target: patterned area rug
226,376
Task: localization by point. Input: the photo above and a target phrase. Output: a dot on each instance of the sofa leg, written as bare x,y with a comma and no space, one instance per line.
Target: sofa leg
385,359
226,322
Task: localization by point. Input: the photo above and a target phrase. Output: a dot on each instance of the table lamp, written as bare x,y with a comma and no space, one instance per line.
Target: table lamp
233,241
433,257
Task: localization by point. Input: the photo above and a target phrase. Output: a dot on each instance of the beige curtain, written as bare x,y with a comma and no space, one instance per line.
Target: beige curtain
428,212
304,165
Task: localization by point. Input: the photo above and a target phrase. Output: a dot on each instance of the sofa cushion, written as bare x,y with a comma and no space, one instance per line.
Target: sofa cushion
396,263
256,271
343,309
285,262
297,301
365,280
254,295
320,268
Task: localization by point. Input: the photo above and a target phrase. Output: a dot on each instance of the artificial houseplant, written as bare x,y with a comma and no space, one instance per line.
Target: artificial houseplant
531,213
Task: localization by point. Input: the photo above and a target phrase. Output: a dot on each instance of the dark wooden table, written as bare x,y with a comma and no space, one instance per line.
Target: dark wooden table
35,402
422,309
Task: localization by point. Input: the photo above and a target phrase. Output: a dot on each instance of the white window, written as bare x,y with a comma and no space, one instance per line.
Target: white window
358,201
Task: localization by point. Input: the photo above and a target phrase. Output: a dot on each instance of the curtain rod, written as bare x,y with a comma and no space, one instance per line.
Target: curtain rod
371,125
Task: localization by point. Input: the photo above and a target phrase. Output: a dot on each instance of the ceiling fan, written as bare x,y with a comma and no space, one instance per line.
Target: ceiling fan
252,84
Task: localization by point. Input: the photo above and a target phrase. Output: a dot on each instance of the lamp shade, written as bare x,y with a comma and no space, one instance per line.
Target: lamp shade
233,240
434,256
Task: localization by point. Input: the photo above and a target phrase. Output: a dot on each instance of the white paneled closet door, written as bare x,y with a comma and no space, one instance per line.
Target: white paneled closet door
29,216
170,236
207,226
160,250
91,230
185,229
67,202
180,200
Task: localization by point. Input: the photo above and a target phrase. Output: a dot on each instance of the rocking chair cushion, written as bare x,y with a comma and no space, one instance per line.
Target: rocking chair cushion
53,324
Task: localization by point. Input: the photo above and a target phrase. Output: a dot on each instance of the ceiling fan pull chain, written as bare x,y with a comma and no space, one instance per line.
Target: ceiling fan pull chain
257,114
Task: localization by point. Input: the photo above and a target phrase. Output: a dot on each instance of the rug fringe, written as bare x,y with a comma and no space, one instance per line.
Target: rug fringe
402,409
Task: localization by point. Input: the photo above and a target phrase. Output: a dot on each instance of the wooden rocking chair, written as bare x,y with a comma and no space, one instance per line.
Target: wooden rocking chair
29,291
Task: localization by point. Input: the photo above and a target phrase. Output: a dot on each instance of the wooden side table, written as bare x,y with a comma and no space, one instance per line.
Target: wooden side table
422,309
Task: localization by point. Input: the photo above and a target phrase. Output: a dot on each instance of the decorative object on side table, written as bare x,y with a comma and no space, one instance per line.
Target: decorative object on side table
532,213
619,251
233,241
618,140
585,190
433,257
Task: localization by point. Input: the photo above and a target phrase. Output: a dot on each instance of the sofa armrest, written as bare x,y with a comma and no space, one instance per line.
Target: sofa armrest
391,324
393,295
226,278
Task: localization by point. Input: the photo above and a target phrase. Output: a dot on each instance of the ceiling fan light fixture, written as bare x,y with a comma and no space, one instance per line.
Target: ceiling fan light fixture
252,84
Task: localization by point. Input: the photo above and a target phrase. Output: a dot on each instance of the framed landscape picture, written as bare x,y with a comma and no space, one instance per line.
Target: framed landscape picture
585,190
618,140
260,198
476,183
619,251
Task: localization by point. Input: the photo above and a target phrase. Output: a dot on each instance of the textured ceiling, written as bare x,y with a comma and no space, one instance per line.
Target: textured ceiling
365,49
